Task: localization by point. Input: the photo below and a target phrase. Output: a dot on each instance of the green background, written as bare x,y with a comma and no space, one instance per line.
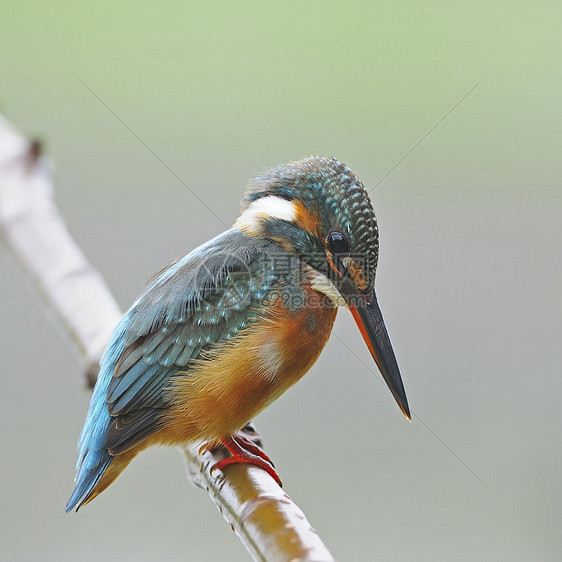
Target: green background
469,276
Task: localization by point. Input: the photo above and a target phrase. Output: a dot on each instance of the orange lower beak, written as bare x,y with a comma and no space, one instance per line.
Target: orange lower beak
369,319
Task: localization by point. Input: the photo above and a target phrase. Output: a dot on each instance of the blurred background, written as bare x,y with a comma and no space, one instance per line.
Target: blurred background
469,275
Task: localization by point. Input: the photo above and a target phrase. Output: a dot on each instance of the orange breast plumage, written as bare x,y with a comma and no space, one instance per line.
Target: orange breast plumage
235,380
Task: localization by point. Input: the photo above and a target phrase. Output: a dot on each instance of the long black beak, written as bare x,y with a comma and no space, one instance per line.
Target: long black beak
369,319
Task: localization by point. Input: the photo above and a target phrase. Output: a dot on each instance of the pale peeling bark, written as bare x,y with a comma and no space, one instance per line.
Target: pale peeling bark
269,524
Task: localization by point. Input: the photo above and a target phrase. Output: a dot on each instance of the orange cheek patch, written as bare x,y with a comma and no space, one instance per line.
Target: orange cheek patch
357,276
306,219
332,264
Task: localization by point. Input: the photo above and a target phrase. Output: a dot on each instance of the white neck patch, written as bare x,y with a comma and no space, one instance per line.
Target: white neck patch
262,209
323,285
278,208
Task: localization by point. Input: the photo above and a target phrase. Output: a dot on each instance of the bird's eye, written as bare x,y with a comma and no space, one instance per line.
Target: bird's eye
338,244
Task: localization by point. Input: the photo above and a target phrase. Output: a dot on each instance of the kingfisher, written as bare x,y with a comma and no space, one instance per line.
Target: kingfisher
223,331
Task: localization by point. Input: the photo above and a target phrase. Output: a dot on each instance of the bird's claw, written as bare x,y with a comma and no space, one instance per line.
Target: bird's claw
246,452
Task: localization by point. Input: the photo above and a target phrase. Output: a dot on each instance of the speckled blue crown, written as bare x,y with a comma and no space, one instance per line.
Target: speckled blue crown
334,192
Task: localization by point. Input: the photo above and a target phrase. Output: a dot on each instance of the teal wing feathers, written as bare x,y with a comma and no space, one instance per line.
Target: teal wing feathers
207,296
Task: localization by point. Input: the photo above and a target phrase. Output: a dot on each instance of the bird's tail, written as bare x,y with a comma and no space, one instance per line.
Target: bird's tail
96,468
92,481
87,479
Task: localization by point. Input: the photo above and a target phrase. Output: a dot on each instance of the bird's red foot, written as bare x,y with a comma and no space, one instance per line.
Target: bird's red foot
244,451
250,446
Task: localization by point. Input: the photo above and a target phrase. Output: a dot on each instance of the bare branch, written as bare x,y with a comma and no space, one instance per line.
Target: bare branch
267,521
269,524
67,284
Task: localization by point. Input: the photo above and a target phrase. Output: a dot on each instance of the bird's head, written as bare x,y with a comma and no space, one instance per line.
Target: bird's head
319,210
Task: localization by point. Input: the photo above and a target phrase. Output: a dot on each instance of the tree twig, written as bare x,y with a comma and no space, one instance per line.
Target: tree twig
269,524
